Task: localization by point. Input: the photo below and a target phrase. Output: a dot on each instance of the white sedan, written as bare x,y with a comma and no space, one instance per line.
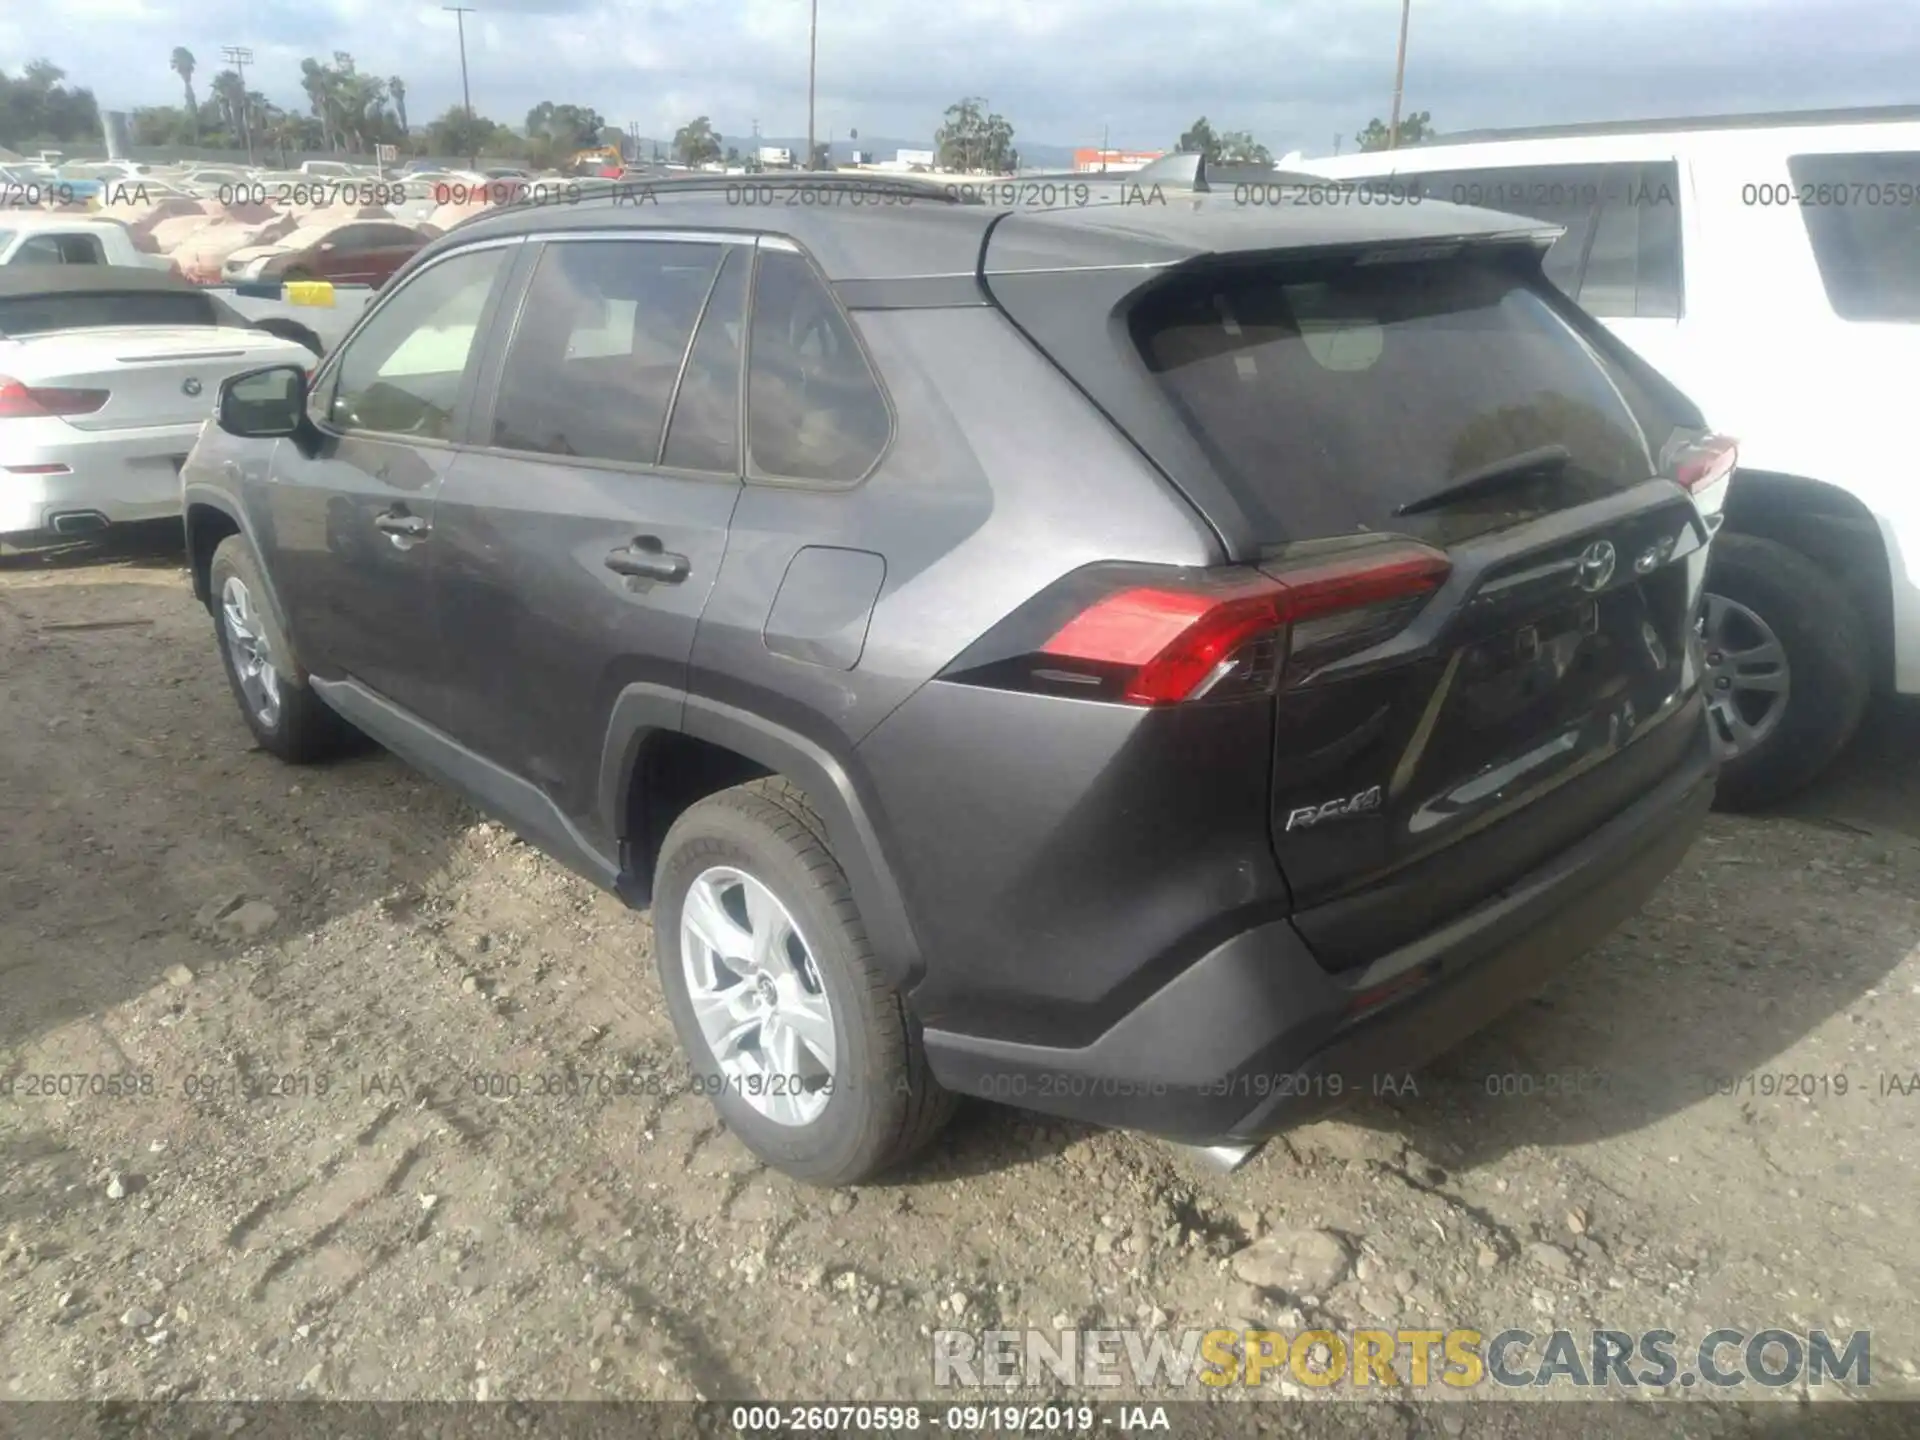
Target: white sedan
106,375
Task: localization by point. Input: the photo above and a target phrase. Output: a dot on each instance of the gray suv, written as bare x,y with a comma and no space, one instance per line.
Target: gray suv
1156,660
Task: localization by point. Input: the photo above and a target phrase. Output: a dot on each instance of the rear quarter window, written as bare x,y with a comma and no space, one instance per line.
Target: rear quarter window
1330,394
1862,214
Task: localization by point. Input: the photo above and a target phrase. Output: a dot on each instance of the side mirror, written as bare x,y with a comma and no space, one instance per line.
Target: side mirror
264,404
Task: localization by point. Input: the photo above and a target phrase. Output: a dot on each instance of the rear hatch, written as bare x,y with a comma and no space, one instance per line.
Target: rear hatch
116,379
1474,490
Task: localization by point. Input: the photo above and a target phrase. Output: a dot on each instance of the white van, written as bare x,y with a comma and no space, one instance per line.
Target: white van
1770,267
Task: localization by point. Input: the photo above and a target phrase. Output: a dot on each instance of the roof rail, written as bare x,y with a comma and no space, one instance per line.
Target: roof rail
663,186
1759,120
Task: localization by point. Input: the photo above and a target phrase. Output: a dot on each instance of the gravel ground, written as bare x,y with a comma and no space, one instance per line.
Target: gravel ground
175,904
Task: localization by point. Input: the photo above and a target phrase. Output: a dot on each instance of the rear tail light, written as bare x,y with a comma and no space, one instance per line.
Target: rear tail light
30,402
1147,635
1703,466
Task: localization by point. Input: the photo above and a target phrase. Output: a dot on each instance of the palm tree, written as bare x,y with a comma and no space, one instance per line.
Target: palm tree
397,88
313,80
183,67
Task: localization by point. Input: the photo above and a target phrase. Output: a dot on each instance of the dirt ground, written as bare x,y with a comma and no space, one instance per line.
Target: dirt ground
331,980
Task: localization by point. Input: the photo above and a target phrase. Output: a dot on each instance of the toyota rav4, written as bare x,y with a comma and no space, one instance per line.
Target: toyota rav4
1159,663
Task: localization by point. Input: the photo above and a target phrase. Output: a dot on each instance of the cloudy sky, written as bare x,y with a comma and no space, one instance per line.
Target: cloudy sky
1295,72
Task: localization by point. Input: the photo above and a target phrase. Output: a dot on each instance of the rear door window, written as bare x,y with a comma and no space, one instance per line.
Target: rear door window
1862,213
1329,394
1620,257
602,336
704,433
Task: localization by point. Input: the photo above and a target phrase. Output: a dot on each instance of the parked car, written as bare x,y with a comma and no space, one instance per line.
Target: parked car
363,252
106,374
1002,700
1770,265
49,238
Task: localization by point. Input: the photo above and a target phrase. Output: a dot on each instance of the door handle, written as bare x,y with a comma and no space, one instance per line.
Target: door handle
411,526
646,560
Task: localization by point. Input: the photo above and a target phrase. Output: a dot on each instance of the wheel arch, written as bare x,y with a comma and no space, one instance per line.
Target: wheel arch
1834,530
665,751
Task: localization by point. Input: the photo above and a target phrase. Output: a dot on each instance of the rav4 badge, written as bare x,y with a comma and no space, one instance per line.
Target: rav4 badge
1364,803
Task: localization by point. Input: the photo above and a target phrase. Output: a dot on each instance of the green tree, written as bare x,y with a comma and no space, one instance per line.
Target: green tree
822,155
568,127
695,142
1238,147
1200,140
397,88
457,133
37,108
1226,147
1414,129
733,155
974,139
182,65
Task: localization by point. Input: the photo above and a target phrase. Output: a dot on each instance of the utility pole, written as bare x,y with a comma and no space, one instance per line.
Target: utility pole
239,57
1104,131
460,13
813,46
1399,76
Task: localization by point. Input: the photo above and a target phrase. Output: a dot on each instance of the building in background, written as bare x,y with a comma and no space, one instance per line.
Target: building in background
776,157
1111,161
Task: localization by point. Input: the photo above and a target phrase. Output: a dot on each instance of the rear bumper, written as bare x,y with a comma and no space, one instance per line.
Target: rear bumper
1257,1035
122,475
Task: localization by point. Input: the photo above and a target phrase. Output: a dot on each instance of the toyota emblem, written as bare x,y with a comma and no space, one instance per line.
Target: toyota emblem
190,386
1596,567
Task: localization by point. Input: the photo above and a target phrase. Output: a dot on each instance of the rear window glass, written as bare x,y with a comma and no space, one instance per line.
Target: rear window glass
1330,395
1862,213
37,314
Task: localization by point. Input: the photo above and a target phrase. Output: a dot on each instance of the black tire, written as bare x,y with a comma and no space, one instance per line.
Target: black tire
885,1105
1829,665
305,729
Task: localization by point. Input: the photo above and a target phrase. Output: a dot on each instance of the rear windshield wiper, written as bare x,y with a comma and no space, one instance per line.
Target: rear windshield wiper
1486,479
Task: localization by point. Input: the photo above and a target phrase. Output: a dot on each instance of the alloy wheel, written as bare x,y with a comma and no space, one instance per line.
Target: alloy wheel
757,995
247,648
1747,676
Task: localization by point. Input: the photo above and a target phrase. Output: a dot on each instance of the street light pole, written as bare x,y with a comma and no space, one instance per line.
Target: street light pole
460,13
813,50
241,56
1399,76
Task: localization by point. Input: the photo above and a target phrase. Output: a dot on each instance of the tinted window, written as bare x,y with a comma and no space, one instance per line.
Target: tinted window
1862,213
38,314
1633,264
598,348
1621,253
1331,394
401,373
704,433
814,410
60,250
